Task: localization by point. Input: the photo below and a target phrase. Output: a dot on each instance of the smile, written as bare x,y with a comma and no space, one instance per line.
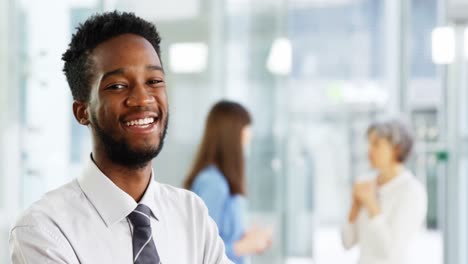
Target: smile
143,122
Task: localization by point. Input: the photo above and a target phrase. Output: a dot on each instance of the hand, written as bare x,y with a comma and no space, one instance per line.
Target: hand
354,212
366,194
259,239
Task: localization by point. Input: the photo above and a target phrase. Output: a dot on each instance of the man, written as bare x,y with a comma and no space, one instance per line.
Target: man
115,212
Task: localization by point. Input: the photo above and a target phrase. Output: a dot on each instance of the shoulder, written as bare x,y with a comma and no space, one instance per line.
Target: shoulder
210,178
178,196
53,206
412,188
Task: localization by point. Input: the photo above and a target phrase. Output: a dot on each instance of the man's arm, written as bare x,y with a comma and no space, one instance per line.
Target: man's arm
213,246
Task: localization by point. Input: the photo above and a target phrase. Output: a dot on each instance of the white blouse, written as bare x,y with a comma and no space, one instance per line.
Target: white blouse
385,239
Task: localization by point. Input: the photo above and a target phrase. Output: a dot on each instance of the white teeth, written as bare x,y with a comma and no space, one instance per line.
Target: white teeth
140,122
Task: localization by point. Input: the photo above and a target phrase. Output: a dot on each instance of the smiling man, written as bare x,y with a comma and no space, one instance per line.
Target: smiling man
115,212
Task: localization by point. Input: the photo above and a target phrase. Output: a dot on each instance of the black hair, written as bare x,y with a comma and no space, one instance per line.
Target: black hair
78,67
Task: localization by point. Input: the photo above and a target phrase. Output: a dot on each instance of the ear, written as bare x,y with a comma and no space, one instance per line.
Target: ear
80,111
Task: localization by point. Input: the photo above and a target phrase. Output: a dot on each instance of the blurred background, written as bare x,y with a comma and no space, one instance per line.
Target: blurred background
314,74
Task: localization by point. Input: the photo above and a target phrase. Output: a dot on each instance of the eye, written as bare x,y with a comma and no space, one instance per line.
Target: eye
116,86
155,82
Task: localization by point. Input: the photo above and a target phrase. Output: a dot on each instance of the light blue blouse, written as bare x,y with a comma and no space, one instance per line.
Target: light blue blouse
228,211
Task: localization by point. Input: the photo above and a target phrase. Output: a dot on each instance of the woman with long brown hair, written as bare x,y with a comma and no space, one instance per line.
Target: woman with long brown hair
217,176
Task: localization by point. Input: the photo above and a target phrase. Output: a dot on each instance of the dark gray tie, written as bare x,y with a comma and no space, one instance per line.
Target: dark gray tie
144,249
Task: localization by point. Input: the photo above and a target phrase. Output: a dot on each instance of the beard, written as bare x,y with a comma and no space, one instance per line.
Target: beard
120,152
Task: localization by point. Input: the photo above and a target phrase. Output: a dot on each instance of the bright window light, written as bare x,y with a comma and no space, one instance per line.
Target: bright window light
443,45
280,57
188,57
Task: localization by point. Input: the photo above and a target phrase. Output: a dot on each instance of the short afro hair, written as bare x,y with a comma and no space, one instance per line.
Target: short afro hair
78,67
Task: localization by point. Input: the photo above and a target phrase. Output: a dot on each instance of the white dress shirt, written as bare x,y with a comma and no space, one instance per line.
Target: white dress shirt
85,221
385,239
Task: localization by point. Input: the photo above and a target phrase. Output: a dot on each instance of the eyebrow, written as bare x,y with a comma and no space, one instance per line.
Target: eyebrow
121,71
155,68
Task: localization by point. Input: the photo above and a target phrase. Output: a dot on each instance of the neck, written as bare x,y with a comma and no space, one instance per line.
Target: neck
133,181
389,173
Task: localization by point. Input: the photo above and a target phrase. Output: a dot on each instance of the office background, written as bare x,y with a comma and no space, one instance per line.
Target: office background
314,74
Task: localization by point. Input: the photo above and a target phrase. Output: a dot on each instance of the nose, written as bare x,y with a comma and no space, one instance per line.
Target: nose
139,96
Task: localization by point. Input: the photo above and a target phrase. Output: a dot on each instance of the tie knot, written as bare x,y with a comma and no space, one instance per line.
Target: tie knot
140,216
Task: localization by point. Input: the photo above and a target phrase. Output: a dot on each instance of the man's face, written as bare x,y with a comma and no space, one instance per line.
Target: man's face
128,101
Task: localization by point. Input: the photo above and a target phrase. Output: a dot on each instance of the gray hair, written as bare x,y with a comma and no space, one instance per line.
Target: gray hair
397,132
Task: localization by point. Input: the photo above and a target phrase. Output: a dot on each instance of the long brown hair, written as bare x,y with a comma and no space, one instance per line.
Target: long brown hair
222,145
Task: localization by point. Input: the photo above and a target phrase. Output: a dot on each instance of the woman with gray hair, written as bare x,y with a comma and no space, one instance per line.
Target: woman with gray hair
388,209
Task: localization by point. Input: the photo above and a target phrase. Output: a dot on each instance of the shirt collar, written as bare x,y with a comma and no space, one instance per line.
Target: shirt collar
150,197
111,202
